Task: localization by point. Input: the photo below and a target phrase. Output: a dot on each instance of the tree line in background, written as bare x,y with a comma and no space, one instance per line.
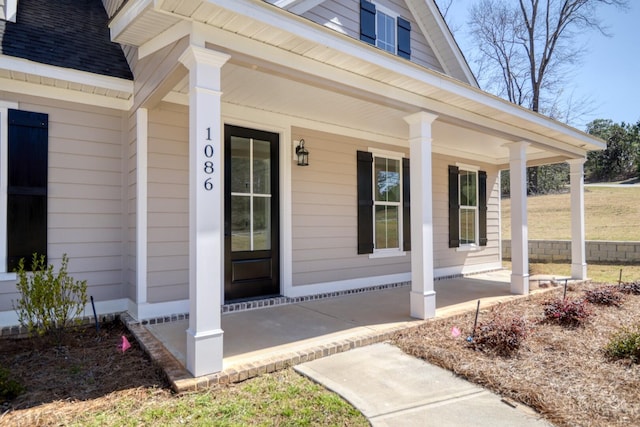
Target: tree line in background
619,161
525,51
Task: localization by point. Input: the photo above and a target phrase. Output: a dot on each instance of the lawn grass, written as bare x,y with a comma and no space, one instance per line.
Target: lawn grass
610,214
281,398
601,273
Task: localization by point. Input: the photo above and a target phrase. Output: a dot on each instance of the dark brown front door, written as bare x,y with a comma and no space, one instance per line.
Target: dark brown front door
251,214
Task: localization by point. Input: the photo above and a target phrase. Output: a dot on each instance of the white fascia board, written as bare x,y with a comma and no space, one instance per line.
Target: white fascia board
20,65
34,89
452,44
263,12
10,10
171,35
125,16
304,6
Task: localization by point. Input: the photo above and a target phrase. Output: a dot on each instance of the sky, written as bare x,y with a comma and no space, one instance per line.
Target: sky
610,71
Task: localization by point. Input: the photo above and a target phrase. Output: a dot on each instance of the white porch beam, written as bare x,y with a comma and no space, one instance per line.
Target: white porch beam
519,227
423,296
206,273
578,251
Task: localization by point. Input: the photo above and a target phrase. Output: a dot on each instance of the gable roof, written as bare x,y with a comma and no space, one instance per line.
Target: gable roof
65,33
432,25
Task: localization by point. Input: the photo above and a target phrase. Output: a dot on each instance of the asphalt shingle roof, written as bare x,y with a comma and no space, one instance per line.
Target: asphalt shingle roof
65,33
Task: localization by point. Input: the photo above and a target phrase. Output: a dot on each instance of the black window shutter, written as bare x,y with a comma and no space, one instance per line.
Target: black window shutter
482,207
406,206
404,38
27,186
365,203
367,22
454,208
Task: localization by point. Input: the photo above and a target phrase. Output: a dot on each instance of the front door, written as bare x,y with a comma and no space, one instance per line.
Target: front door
251,214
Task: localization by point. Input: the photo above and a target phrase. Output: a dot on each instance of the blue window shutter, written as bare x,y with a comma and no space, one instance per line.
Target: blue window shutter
367,22
404,38
27,186
482,207
365,202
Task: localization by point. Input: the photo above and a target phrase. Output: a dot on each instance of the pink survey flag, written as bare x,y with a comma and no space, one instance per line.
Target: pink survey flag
125,344
455,332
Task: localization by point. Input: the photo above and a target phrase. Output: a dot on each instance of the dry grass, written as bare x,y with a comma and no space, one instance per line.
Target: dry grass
605,273
610,214
560,372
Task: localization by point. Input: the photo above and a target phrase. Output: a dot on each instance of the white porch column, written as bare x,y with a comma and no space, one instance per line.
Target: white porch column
519,230
578,251
206,253
423,297
142,126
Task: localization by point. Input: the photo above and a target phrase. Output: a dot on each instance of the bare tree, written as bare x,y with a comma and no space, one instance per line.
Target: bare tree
527,48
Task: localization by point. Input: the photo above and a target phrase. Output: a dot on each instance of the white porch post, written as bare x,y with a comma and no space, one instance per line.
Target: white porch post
423,297
204,336
142,125
578,252
519,230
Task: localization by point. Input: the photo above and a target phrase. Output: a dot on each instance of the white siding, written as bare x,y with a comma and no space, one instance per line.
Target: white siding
85,218
344,17
324,210
168,191
450,257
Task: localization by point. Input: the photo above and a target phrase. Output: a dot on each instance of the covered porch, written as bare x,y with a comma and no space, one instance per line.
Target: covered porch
265,339
272,72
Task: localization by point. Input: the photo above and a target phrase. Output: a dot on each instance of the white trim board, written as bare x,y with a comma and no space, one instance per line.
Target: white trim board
346,285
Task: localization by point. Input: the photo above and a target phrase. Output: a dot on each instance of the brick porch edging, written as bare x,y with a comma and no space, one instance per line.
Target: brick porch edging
181,380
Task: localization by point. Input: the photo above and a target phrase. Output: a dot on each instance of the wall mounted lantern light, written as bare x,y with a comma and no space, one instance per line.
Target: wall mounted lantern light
302,153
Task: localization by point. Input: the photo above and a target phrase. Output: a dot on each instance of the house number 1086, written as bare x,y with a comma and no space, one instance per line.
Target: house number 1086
208,164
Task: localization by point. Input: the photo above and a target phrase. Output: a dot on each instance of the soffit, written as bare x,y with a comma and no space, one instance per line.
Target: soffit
272,28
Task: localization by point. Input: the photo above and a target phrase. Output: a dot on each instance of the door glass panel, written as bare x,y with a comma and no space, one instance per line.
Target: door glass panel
240,165
261,223
261,167
240,223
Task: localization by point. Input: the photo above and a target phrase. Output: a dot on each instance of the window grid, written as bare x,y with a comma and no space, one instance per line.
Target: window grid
468,202
387,203
385,32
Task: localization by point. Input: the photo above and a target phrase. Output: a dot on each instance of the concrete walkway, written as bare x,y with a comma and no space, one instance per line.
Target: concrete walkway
393,389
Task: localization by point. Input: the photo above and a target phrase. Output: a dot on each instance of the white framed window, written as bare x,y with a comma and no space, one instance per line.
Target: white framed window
386,29
468,202
387,203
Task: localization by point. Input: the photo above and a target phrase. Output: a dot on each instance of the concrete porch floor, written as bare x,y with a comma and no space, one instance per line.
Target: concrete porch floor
294,333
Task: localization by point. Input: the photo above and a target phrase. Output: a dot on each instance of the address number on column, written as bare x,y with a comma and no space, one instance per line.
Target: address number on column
208,164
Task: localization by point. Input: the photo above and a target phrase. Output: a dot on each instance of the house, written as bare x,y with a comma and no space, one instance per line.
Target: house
156,143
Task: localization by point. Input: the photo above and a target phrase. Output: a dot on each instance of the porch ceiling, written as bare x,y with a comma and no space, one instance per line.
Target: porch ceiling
286,64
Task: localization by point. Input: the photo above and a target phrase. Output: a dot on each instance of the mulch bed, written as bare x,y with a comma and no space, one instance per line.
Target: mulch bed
80,365
561,372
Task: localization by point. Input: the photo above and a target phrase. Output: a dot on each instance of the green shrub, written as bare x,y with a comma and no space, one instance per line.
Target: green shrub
625,345
9,388
49,302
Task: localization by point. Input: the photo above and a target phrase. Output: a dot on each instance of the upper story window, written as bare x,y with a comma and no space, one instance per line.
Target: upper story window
383,28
